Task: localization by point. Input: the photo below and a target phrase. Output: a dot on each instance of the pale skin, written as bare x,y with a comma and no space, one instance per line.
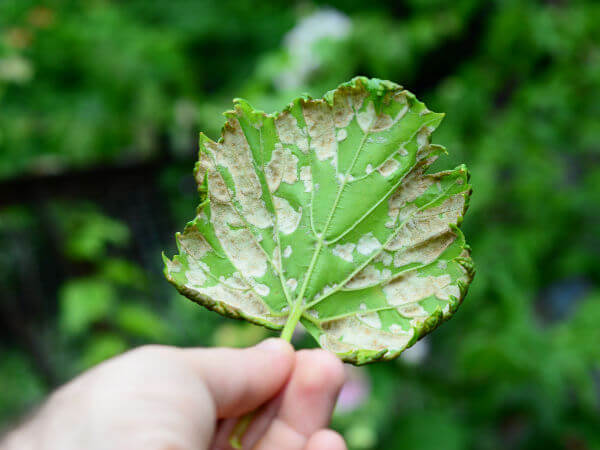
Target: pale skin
167,398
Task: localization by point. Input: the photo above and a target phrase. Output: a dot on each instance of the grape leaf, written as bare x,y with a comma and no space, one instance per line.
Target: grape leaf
324,213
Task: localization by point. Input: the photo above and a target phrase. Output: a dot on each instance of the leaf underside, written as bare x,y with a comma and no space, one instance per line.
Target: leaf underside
327,206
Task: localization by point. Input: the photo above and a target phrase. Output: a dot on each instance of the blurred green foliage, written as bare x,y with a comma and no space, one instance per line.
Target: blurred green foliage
84,84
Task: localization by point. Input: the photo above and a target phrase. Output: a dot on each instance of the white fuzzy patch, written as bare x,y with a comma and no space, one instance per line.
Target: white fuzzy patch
276,259
401,113
238,243
196,277
194,244
344,251
234,292
292,284
344,178
306,177
371,319
385,258
388,167
377,140
173,266
411,288
234,155
217,187
367,244
423,136
425,249
351,333
369,276
262,289
287,218
321,129
290,133
287,252
366,118
395,328
283,167
369,121
413,186
427,224
328,288
342,110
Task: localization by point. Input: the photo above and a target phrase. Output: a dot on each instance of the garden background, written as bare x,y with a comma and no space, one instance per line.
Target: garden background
101,103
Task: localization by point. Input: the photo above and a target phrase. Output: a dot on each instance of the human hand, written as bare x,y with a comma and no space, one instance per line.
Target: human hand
167,398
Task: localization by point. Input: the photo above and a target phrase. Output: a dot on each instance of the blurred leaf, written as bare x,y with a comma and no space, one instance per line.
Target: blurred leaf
84,302
87,232
124,273
238,335
101,348
20,387
430,430
139,321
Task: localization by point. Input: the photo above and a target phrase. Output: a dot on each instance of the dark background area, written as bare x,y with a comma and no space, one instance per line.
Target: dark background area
101,103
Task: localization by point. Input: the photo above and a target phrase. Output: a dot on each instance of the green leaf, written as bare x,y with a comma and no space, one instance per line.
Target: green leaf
20,386
140,321
83,302
101,348
324,214
87,232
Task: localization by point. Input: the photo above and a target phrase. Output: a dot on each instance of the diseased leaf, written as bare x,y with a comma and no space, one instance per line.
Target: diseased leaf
324,214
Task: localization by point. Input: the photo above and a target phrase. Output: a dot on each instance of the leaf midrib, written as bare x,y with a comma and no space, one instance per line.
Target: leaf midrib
320,237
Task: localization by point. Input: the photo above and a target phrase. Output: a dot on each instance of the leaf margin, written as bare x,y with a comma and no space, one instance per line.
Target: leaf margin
360,356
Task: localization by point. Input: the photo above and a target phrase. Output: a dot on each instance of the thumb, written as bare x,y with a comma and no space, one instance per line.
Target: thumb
240,380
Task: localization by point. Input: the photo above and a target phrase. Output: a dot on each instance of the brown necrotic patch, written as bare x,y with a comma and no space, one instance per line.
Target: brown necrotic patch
321,130
234,155
350,333
289,132
283,167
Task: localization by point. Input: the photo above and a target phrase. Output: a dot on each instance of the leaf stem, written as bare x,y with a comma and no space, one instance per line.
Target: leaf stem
235,438
292,321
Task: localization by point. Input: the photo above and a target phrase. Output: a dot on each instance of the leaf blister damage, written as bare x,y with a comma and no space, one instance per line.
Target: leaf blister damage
325,214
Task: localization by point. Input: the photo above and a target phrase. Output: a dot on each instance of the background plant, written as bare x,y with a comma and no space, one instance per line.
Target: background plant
120,90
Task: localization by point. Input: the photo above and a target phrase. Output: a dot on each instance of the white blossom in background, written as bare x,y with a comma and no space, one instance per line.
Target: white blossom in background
417,353
299,43
15,69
